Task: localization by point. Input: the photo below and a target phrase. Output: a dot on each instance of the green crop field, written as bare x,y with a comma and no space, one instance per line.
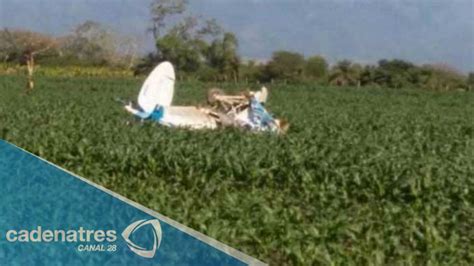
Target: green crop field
364,176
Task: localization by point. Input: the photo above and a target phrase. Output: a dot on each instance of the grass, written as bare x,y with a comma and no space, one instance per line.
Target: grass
364,176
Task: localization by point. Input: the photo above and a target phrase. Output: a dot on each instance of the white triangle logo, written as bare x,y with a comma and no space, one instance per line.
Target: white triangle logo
156,230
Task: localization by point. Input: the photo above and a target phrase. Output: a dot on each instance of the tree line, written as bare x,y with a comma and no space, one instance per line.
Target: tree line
203,50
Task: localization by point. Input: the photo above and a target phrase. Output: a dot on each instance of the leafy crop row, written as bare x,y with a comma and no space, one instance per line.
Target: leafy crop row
364,176
67,71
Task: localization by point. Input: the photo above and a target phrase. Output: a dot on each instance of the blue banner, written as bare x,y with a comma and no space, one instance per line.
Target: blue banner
49,216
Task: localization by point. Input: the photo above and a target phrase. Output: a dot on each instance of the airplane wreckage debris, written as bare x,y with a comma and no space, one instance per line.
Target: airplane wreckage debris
245,110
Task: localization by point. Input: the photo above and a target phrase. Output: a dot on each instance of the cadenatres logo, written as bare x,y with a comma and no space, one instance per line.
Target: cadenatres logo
91,240
156,229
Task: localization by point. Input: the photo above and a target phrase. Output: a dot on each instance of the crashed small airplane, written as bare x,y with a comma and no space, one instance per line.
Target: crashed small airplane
242,111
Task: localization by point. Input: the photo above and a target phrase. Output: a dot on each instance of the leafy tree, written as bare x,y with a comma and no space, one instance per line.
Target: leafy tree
210,29
316,67
92,43
222,55
180,51
14,44
161,10
441,77
191,42
368,76
231,60
252,71
25,47
345,73
396,73
185,45
285,65
207,73
145,64
470,80
399,74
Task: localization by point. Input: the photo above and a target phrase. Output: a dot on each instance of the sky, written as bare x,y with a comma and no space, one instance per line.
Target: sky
421,31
